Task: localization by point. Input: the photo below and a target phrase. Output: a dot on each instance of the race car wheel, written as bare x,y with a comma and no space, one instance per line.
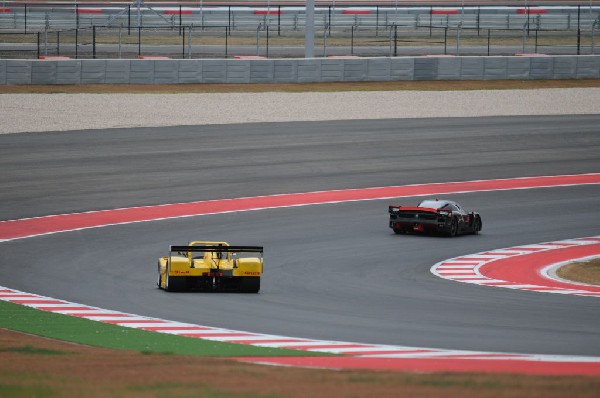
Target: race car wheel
174,283
453,227
250,284
477,225
398,230
167,280
159,276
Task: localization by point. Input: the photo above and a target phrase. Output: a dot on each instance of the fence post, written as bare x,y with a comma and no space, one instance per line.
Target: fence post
77,15
226,47
25,16
395,40
527,14
524,36
180,21
430,21
376,21
182,41
488,43
386,22
478,19
94,42
352,41
328,25
139,13
325,40
120,34
593,28
446,40
267,41
279,20
458,31
139,41
578,30
38,45
190,28
76,43
129,20
58,43
257,39
391,32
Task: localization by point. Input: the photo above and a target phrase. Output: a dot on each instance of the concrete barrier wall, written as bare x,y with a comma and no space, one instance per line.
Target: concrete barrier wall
15,72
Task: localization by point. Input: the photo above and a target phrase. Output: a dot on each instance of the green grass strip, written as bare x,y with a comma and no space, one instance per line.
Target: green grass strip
98,334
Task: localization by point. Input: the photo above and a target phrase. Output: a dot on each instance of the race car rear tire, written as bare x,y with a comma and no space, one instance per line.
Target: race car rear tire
159,276
453,227
398,230
477,225
174,283
250,284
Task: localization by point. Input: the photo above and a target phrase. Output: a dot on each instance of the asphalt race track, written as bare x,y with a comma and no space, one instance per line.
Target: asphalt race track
335,271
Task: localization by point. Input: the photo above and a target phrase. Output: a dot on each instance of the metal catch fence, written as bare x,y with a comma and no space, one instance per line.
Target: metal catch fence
177,31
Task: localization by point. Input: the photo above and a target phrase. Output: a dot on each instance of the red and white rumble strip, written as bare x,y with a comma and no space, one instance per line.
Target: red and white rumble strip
354,355
523,267
36,226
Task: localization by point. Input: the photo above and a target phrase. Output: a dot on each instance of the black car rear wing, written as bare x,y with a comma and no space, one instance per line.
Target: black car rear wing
217,249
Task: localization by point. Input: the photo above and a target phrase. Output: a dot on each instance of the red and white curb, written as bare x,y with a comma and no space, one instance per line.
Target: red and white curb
523,267
37,226
364,353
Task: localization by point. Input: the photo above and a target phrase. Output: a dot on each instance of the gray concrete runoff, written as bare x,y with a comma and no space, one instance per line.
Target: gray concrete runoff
64,112
342,69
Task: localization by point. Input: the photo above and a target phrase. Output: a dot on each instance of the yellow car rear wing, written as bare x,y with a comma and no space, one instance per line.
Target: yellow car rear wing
217,249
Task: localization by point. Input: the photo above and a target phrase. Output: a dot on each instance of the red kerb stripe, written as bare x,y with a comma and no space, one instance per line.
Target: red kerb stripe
89,11
357,12
531,11
177,12
444,12
41,225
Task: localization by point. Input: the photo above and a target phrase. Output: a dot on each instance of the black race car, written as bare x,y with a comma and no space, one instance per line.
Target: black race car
434,216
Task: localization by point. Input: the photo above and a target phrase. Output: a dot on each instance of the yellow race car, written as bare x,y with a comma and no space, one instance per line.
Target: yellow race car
211,266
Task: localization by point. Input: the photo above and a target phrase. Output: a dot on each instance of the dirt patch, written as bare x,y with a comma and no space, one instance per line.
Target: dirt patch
35,366
583,272
305,87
